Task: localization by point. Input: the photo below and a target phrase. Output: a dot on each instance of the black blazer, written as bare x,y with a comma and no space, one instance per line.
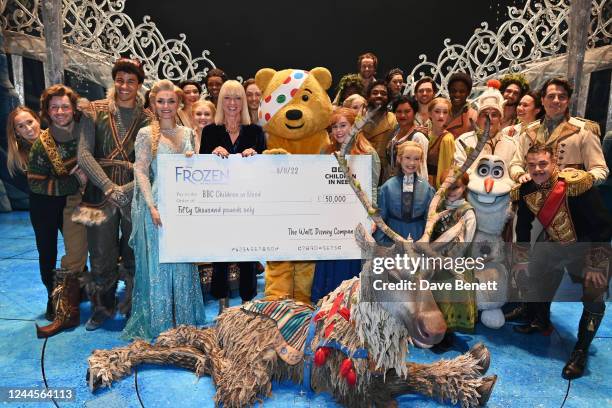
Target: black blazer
250,137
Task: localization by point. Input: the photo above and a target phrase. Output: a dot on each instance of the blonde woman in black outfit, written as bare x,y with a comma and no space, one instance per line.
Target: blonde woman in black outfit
233,133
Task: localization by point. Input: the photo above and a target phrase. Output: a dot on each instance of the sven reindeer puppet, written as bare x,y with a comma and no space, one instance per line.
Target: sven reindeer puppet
353,346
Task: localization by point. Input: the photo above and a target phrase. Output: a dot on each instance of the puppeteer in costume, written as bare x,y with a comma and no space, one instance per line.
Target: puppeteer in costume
106,154
456,227
295,111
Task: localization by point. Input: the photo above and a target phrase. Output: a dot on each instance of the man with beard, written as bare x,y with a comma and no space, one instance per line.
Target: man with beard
576,237
513,87
367,64
574,142
424,91
383,125
106,154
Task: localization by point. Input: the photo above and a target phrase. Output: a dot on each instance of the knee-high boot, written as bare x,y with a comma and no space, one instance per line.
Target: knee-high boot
589,323
66,296
49,282
50,312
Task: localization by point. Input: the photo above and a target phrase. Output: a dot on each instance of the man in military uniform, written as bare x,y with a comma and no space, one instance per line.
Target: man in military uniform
576,236
575,142
106,154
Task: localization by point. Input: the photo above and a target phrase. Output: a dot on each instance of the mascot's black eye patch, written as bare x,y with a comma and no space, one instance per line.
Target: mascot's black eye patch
305,98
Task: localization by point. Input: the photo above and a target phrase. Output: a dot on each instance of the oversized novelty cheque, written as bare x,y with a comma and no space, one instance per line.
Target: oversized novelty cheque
272,207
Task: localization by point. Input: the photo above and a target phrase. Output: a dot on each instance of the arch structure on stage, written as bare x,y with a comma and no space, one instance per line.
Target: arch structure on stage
532,35
95,34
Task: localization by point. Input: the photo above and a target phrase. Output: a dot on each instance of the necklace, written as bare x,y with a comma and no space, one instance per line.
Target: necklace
170,131
170,138
232,128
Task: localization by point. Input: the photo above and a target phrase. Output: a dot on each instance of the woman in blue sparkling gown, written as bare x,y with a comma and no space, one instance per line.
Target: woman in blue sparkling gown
165,295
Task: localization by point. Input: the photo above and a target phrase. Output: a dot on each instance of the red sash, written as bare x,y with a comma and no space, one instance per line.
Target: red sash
552,203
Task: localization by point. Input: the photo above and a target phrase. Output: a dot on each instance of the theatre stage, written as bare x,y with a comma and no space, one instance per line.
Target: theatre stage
529,367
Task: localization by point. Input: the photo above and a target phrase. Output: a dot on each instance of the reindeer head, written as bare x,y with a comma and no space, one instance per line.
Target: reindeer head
414,308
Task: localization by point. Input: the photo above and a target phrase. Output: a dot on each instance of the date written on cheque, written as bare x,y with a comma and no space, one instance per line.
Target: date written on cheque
288,170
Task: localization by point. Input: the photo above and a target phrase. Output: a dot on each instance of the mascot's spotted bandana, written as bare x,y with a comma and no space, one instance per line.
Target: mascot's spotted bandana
281,96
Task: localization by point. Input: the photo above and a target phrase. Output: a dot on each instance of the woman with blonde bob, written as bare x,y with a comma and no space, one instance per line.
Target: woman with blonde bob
233,133
328,274
169,294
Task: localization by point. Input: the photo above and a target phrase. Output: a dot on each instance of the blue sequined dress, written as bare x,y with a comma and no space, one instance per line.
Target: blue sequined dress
165,295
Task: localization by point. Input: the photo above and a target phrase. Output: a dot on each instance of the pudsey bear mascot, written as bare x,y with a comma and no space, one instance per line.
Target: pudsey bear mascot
295,111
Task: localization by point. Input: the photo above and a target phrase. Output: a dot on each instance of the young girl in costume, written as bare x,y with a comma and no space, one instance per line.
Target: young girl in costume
457,227
404,199
329,274
165,295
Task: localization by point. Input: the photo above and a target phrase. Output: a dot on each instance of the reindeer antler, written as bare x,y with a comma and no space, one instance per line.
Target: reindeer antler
355,185
433,215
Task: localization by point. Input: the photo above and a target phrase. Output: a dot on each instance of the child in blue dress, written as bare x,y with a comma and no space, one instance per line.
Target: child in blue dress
404,199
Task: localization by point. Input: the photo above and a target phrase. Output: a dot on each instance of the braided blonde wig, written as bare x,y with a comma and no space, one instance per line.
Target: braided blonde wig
162,85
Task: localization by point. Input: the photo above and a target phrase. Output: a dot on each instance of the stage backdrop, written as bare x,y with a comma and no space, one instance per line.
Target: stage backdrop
245,36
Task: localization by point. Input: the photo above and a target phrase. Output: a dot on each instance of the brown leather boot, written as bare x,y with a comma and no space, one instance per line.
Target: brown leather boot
66,297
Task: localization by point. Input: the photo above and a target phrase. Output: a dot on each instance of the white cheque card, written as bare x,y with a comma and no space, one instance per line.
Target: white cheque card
265,207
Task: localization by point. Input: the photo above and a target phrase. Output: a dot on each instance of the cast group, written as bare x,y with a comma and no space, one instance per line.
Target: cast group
91,176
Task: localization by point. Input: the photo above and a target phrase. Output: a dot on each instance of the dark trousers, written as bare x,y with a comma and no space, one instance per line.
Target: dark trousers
547,266
105,247
219,285
47,217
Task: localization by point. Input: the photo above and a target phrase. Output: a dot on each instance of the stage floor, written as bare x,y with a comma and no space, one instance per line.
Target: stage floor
528,367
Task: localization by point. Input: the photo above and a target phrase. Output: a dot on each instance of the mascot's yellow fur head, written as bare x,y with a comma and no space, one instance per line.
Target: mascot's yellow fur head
295,109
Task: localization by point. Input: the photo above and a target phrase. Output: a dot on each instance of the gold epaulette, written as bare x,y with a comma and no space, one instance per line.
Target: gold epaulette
533,125
586,124
515,194
578,181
